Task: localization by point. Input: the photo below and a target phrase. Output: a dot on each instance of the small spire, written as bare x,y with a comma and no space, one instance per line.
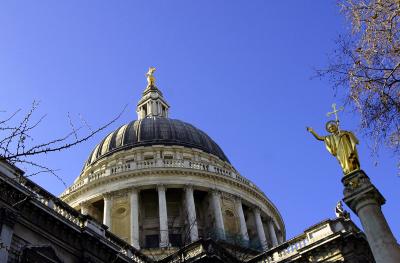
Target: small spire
152,103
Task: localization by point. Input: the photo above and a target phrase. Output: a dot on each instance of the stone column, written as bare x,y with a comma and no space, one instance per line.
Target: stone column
260,228
7,222
219,220
191,212
85,206
272,233
134,202
365,200
242,220
107,210
162,206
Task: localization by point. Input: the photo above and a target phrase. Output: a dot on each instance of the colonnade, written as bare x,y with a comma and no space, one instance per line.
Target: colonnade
215,204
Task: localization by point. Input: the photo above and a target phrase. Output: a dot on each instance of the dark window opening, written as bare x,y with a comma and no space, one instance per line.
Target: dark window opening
152,241
175,240
145,110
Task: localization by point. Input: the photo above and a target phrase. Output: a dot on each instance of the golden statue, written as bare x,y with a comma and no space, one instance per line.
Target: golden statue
341,144
150,78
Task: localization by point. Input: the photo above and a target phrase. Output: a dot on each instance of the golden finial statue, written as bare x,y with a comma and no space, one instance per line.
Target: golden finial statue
150,78
340,143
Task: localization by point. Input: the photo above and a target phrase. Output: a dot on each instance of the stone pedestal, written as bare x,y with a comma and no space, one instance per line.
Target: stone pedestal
366,201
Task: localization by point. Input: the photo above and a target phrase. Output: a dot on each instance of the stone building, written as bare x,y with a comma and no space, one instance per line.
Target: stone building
160,189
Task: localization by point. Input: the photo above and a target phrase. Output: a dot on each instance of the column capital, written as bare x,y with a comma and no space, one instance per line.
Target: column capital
133,190
188,187
256,209
359,190
216,192
161,187
237,199
85,203
108,195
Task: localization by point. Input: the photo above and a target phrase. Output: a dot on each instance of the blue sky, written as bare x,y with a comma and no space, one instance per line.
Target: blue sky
239,70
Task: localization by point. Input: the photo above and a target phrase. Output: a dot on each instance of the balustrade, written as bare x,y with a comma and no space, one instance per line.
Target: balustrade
156,163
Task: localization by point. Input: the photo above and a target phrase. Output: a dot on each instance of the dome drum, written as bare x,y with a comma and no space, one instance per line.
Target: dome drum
175,167
146,195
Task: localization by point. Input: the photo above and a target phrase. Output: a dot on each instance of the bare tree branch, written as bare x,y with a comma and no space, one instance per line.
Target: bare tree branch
366,67
14,147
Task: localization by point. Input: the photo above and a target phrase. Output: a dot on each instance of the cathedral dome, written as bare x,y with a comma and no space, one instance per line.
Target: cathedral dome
155,131
159,182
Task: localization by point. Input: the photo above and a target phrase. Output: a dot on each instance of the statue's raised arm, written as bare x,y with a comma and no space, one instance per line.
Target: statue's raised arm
319,138
341,144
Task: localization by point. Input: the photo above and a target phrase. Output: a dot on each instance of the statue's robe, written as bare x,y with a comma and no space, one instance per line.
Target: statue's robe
343,146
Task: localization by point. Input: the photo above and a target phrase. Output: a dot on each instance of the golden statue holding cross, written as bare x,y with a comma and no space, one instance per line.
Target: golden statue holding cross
340,143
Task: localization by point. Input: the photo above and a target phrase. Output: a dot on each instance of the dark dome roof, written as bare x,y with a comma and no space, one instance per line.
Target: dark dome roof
155,131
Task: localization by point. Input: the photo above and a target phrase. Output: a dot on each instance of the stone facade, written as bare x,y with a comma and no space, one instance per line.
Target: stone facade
38,227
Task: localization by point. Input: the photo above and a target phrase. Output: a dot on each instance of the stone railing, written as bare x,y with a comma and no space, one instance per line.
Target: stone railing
291,247
157,163
53,203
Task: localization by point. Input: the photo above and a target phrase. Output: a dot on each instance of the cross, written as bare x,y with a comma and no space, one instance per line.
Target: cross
335,111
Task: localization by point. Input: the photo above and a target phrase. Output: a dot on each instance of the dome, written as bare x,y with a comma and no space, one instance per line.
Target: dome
155,169
155,131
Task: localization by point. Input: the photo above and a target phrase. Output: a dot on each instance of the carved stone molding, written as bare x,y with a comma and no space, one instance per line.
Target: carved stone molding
358,189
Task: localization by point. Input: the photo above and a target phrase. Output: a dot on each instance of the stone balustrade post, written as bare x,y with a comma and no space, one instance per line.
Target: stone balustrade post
159,160
242,220
216,207
191,213
365,200
162,206
260,227
134,218
107,210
